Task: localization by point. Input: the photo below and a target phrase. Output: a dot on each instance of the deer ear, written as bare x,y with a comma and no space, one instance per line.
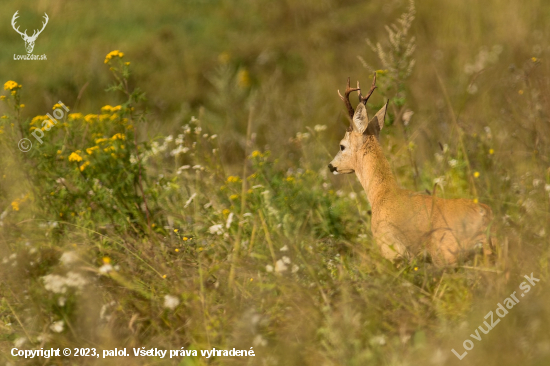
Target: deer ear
377,122
360,118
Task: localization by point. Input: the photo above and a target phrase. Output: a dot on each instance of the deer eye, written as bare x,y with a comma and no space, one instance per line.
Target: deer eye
342,147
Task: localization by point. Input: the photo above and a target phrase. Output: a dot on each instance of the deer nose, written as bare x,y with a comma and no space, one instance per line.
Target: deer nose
331,168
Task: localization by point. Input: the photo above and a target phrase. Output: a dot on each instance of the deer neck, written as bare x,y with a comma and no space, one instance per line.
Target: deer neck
374,172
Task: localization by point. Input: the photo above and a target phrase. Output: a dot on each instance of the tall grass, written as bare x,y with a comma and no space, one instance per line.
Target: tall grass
206,218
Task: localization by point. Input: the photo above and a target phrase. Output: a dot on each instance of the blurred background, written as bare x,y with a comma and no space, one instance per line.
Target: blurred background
468,85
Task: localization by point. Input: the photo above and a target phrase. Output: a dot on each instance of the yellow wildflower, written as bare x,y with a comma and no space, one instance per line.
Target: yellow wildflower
106,109
290,179
90,118
38,119
185,238
59,151
15,205
233,197
83,166
491,151
113,54
475,200
256,154
75,157
99,141
177,250
11,85
75,116
243,78
520,92
21,106
225,212
2,97
534,59
476,174
233,179
118,136
106,260
57,105
163,276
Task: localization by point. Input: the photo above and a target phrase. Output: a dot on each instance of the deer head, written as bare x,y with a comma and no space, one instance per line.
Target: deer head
360,131
29,40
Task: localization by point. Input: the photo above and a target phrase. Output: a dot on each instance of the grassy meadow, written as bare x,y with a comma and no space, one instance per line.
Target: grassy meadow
184,201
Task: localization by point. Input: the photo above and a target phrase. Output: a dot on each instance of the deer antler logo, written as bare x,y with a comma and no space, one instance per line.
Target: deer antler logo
29,40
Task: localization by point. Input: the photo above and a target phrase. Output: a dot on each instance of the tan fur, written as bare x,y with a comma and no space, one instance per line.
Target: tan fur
404,223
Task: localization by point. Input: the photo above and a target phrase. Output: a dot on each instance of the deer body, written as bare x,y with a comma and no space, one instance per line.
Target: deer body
404,223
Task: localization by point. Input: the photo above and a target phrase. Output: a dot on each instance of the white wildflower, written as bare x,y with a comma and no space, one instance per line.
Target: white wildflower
280,266
213,137
453,163
106,268
216,229
379,340
171,302
68,258
205,136
179,150
186,129
472,89
59,284
61,301
190,200
353,196
57,327
319,128
295,268
229,220
19,342
407,117
179,139
269,268
44,337
259,341
302,136
169,138
198,130
440,181
536,182
547,187
285,259
284,248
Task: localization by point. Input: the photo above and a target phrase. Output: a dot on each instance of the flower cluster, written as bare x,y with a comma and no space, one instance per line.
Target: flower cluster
11,85
113,54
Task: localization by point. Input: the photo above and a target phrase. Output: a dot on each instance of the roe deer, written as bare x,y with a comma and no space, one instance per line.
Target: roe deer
404,223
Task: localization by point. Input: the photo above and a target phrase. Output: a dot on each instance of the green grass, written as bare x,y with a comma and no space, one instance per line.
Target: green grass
244,239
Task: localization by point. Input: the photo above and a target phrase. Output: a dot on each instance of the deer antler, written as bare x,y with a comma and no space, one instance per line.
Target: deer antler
346,99
34,35
15,16
373,86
